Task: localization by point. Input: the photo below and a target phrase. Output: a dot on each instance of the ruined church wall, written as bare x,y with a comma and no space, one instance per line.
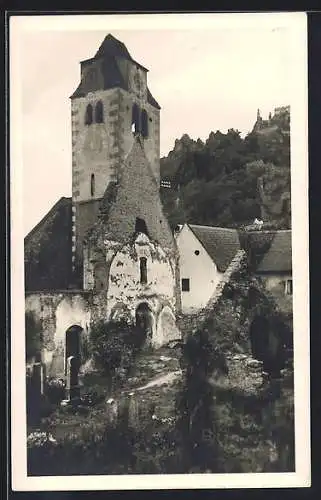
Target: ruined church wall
56,312
125,290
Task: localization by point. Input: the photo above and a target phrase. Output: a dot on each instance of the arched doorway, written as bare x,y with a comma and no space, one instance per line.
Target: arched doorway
144,320
268,345
73,344
166,327
259,336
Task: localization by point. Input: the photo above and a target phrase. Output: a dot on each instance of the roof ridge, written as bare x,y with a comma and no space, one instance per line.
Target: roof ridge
213,227
46,216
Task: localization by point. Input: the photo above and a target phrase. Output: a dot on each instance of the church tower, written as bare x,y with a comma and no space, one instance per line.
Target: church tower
111,105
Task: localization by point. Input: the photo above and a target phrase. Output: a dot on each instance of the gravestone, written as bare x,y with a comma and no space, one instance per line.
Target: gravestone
112,411
133,411
38,378
72,380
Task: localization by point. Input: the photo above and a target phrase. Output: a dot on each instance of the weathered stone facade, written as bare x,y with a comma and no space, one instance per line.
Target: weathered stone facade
132,229
122,253
56,312
98,149
114,228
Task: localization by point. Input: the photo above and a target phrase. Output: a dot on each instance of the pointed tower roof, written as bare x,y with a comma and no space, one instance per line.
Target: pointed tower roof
111,47
109,53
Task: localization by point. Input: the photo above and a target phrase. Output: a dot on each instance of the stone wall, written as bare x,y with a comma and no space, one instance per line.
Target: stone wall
115,277
56,312
100,149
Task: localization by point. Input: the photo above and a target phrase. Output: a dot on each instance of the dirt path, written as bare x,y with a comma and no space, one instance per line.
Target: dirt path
158,381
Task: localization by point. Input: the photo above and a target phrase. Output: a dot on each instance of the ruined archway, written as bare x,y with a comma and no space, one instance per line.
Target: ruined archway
144,321
166,327
73,344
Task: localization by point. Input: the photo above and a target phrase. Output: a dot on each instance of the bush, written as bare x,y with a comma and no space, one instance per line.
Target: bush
104,450
112,346
55,390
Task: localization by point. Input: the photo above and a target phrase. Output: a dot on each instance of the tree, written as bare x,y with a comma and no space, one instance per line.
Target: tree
219,179
196,422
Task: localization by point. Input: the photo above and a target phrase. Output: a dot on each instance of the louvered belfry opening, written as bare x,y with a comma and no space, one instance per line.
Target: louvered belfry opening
89,115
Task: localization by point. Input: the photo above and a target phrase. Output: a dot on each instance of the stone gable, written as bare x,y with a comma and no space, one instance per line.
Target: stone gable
136,195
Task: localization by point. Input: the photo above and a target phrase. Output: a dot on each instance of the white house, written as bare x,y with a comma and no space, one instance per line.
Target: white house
204,255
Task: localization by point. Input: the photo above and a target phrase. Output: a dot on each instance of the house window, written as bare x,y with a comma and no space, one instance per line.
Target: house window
92,184
185,285
89,115
197,252
143,269
144,124
289,287
135,119
99,112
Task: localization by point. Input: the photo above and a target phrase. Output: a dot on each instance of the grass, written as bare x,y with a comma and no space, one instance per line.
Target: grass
84,439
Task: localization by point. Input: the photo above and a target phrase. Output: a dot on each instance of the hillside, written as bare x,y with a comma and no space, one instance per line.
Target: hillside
229,181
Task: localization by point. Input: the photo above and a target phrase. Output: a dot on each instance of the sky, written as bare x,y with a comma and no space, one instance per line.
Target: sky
206,77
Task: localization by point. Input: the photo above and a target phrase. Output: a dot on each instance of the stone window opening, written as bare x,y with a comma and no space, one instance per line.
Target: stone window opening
144,124
135,119
185,285
92,184
140,226
99,112
143,270
89,115
289,287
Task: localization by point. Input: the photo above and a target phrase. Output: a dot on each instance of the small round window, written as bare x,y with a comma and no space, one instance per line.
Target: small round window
197,252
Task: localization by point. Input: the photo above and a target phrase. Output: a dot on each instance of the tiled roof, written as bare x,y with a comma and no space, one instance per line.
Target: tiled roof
151,100
61,203
220,243
278,257
47,250
136,195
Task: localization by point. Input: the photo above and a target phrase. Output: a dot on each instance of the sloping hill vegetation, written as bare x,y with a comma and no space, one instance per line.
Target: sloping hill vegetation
229,181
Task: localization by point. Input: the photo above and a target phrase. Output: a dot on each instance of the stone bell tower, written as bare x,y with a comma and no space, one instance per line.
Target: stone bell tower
110,106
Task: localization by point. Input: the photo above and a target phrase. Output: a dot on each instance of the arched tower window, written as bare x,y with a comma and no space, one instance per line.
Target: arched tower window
135,119
144,123
92,184
99,112
140,226
89,115
143,269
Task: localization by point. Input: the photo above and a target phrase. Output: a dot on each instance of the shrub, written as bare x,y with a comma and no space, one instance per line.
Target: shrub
196,423
112,346
55,390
